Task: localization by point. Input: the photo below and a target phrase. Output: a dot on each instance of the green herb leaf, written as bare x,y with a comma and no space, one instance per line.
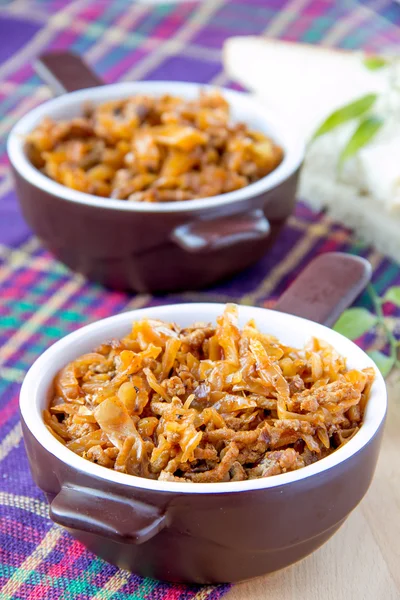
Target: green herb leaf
346,113
383,362
354,322
393,295
365,132
373,63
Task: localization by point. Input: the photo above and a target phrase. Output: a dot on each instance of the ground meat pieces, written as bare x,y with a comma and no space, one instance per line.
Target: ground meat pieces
206,404
220,472
277,462
153,149
175,386
97,455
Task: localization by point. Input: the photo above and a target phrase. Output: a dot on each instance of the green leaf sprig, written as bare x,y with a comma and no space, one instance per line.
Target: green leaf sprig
365,133
359,110
346,113
356,321
373,62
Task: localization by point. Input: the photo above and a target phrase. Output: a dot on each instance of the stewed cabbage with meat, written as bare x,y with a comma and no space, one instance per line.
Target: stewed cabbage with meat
207,403
153,149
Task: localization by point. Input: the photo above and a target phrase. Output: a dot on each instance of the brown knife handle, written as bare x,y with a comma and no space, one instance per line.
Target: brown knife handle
121,519
65,72
325,288
207,235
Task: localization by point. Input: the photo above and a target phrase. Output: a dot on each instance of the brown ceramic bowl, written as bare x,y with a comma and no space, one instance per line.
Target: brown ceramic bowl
153,247
205,532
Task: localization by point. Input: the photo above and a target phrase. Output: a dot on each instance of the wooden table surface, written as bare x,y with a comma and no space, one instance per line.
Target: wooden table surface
362,560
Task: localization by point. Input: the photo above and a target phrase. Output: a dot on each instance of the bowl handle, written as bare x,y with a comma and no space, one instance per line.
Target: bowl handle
205,235
65,72
121,519
326,287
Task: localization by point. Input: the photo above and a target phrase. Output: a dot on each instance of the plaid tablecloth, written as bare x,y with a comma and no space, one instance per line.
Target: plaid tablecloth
40,300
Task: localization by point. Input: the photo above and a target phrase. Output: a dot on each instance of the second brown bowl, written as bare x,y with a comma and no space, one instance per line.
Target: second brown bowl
153,247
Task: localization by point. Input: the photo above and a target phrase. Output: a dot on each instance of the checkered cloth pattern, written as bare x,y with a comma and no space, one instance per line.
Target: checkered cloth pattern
41,301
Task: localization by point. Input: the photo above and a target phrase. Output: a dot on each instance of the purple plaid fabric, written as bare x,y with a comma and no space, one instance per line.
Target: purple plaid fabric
40,300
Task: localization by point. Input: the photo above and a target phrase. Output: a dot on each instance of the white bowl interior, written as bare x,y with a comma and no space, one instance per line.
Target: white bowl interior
291,330
244,108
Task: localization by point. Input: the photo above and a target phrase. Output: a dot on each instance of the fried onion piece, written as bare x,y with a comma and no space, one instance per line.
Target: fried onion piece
113,418
228,334
66,383
225,434
171,349
271,374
